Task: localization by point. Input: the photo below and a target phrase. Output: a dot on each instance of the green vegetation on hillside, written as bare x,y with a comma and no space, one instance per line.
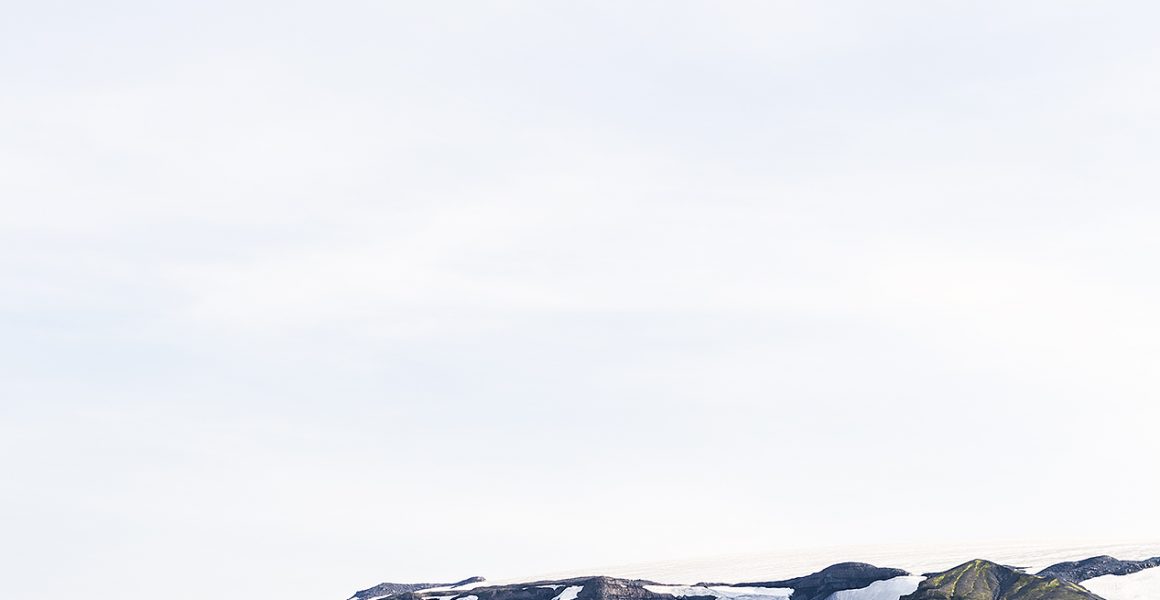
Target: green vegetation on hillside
985,580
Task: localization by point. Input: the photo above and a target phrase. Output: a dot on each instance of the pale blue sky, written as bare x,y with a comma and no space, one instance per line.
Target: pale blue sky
298,297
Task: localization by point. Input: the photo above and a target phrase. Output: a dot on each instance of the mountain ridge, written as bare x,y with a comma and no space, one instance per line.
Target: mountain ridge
1097,566
985,580
977,579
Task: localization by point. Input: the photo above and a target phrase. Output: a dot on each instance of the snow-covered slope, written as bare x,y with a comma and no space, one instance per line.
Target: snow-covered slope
569,593
890,589
722,592
1144,585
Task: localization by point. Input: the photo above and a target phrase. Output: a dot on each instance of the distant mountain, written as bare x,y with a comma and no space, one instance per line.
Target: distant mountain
579,588
835,578
816,586
1097,566
476,588
985,580
387,590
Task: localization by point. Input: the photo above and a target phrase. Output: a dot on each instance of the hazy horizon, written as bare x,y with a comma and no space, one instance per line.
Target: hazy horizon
298,297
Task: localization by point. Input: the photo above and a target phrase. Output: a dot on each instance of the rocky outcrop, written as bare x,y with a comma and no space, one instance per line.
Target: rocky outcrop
835,578
526,591
591,588
383,590
387,590
1097,566
985,580
611,588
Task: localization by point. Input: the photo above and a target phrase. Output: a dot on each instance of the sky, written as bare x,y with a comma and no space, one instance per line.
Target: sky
298,297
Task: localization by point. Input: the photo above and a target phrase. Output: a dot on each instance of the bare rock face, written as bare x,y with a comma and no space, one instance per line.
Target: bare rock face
511,592
835,578
1097,566
390,589
591,588
611,588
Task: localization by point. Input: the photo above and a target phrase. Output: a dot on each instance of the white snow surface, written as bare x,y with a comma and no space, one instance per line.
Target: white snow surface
888,589
569,593
1144,585
724,592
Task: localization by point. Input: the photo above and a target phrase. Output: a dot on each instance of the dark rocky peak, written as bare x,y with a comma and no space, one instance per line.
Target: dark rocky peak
611,588
834,578
1097,566
523,591
389,590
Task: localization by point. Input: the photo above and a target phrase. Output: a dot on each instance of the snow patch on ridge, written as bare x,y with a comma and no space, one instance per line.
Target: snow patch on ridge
725,592
458,588
569,593
887,589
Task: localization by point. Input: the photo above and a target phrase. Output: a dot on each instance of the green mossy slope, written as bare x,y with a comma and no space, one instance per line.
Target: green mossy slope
985,580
